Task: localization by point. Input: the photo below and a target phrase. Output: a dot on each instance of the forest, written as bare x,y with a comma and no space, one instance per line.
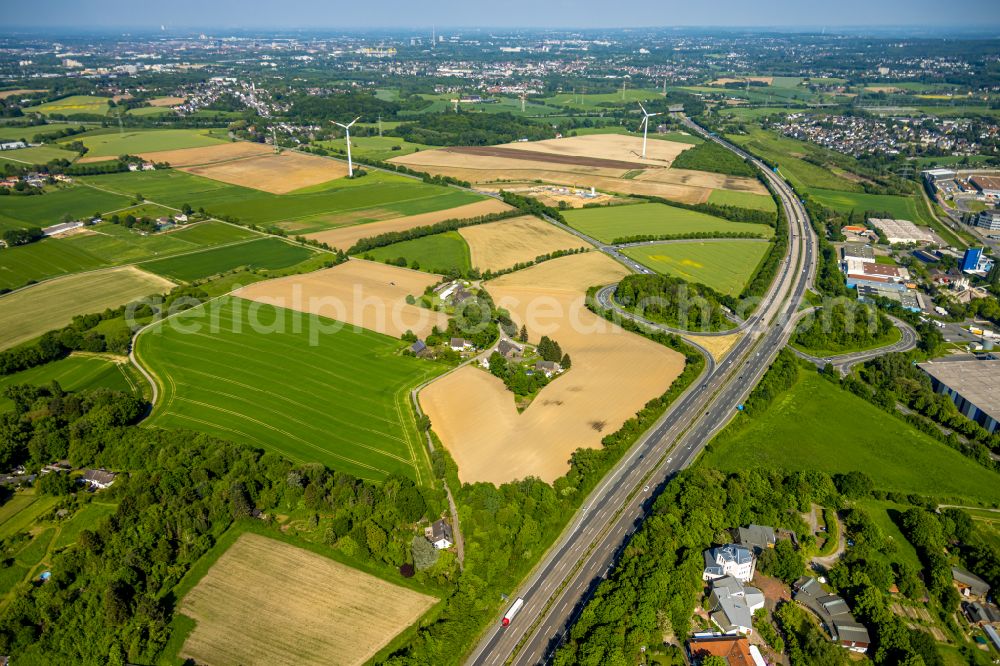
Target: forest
471,129
672,301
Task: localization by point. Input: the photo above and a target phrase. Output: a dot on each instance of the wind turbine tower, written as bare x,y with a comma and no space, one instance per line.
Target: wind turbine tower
380,124
646,115
347,136
522,101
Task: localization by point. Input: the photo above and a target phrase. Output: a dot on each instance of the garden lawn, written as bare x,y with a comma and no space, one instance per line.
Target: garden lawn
608,223
435,254
818,425
306,387
724,265
88,517
880,515
73,373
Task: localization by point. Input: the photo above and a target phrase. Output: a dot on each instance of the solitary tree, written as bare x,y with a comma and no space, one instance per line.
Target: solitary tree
523,337
566,362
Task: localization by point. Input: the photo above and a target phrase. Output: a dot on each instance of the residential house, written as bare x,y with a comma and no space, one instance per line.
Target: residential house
735,650
439,534
731,605
981,613
148,166
729,560
459,344
548,367
508,349
418,347
969,584
755,537
834,613
99,479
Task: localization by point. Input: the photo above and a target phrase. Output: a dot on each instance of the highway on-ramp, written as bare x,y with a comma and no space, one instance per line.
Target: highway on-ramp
565,578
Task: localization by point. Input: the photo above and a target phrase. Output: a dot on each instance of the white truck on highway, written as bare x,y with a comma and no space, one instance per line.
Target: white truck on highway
512,611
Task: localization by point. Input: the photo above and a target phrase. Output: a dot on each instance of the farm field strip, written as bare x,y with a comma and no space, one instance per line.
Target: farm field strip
608,223
334,400
440,253
135,142
268,253
306,608
73,373
499,245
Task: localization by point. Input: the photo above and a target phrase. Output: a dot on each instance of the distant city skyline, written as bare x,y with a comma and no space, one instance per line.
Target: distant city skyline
981,15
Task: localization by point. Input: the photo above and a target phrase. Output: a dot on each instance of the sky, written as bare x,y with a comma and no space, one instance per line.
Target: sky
416,14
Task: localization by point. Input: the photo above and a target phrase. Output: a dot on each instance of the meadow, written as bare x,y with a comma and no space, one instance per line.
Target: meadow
805,429
74,105
267,253
901,208
443,102
108,245
134,142
742,200
379,148
28,313
339,202
439,253
340,399
650,219
723,265
74,373
37,155
593,101
77,201
787,154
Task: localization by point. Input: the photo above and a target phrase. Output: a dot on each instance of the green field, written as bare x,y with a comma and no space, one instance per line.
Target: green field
37,155
610,222
73,373
337,397
77,201
436,254
150,111
443,102
28,313
593,101
87,517
378,148
817,425
787,154
108,245
22,510
723,265
879,512
343,201
901,208
73,105
749,200
269,253
134,142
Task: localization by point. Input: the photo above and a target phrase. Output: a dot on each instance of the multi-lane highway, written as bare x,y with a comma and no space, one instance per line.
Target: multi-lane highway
563,581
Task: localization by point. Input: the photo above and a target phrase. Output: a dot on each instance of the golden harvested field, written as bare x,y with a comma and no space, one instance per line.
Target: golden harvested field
27,313
344,237
361,293
607,146
188,157
277,174
268,602
503,244
20,91
614,374
717,345
166,101
658,179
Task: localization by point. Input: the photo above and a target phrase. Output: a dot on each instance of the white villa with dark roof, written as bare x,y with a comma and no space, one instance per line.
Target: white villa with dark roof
729,560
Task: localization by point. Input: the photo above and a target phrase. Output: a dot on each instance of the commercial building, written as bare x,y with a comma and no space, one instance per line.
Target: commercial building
989,220
988,185
901,231
974,387
858,252
938,175
973,261
868,291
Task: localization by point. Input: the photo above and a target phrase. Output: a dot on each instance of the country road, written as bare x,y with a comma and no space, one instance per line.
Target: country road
563,581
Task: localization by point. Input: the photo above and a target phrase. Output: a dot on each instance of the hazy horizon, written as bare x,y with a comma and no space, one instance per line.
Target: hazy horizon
980,16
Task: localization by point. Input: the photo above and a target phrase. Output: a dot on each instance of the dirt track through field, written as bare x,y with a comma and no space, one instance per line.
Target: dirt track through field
361,293
613,374
268,602
345,237
277,174
503,244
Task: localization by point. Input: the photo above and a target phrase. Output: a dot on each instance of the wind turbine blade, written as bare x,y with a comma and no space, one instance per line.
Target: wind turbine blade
643,109
354,121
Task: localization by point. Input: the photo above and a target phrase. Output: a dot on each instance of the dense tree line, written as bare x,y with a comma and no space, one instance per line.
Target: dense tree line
829,278
530,206
844,327
24,236
710,156
672,301
624,240
471,129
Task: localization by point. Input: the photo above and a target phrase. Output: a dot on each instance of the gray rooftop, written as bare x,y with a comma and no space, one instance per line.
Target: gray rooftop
859,250
976,381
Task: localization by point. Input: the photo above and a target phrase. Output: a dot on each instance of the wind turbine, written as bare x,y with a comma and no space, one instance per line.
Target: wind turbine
646,115
522,101
347,136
